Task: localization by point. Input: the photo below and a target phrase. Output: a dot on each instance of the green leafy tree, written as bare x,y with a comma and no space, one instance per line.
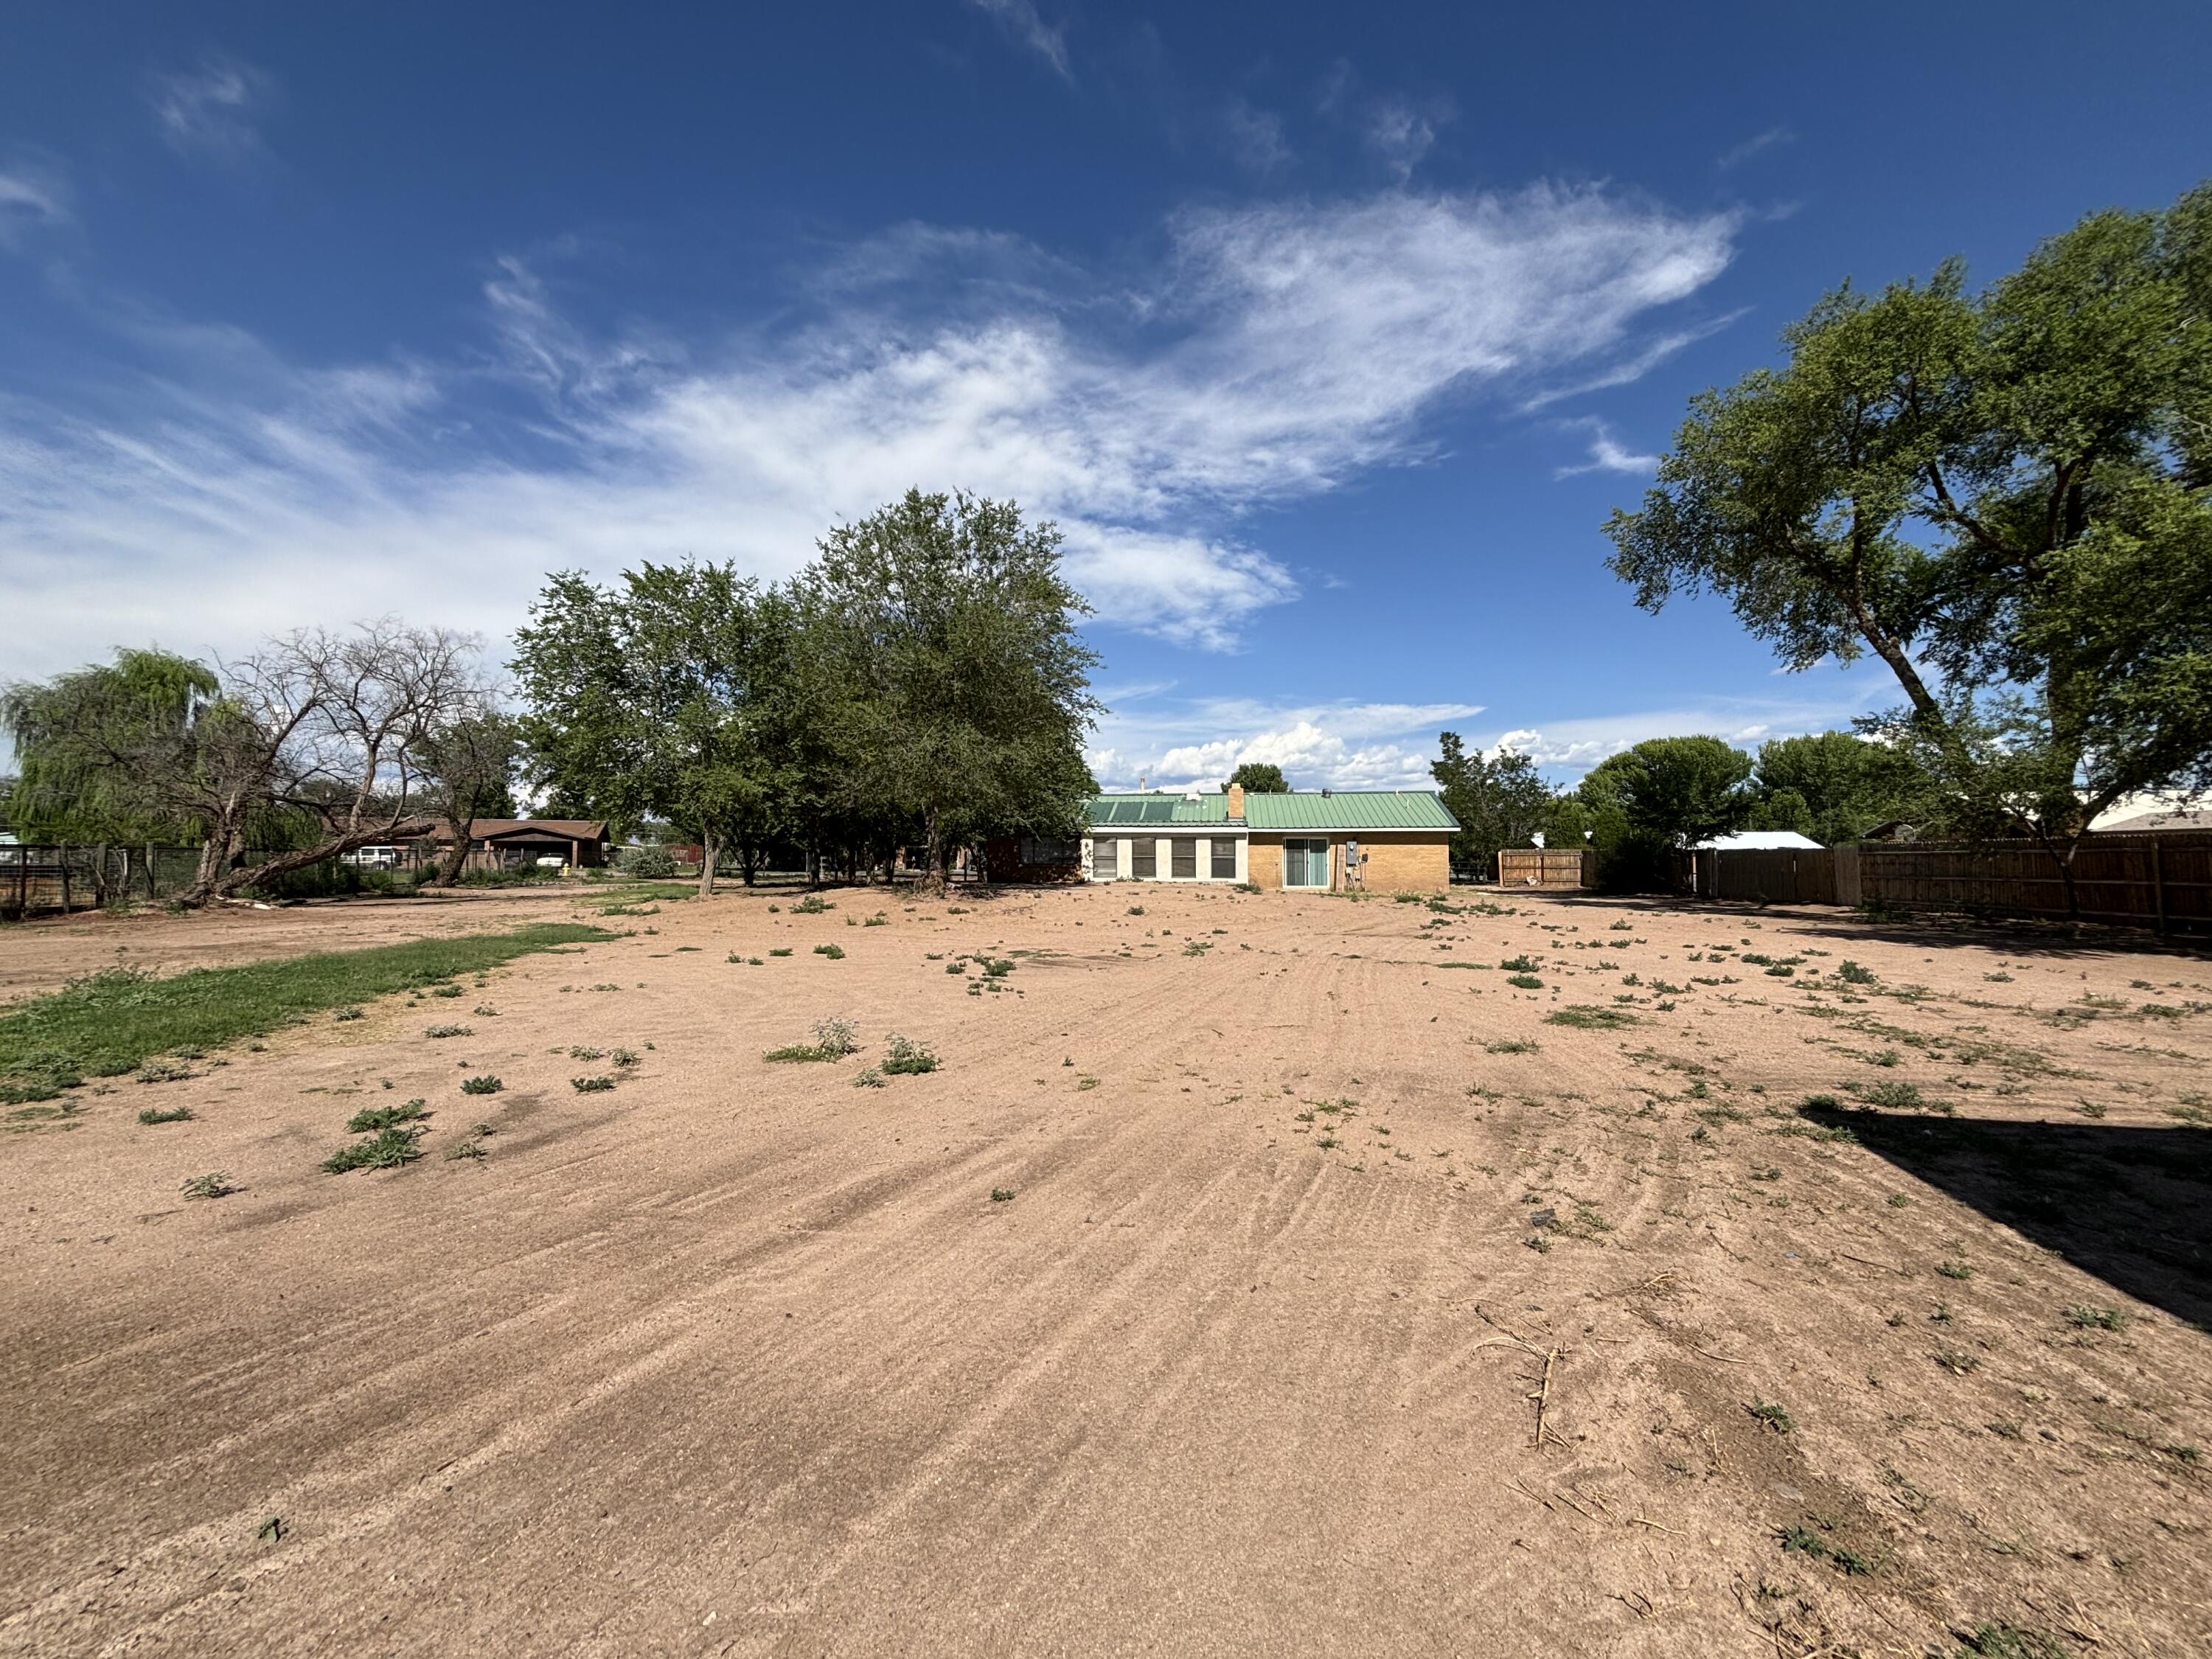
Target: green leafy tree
1258,778
966,685
655,699
2004,496
1499,800
1836,786
107,753
1679,790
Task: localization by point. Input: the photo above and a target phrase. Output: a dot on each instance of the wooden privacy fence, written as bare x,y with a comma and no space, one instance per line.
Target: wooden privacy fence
1781,875
1546,866
2160,879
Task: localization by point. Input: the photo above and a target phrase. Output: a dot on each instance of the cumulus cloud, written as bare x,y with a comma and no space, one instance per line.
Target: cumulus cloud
1022,23
1340,745
1275,352
210,110
1568,748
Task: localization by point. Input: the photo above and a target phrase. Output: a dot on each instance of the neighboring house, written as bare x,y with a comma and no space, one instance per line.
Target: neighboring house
1759,841
1379,840
508,843
2166,820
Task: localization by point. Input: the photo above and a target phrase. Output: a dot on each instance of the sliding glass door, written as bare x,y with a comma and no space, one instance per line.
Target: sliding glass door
1305,863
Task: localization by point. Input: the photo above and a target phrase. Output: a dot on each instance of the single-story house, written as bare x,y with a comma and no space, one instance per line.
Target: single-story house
1378,840
507,843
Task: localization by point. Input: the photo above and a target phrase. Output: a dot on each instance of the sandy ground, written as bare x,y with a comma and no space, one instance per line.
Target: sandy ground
740,1358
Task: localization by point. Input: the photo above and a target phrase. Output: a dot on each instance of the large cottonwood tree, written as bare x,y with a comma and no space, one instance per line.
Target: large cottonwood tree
2005,496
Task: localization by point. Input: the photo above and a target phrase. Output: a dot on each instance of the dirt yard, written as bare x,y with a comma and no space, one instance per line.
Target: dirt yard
1312,1222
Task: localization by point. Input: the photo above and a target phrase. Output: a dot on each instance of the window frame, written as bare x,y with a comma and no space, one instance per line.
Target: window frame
1221,851
1144,858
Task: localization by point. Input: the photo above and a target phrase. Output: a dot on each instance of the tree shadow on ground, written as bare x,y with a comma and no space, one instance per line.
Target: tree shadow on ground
2021,936
2132,1206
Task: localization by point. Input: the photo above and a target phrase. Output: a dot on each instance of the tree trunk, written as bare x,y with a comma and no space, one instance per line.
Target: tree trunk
710,850
932,882
457,856
216,855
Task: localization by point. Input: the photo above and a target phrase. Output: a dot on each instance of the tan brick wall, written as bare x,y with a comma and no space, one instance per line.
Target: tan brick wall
1395,864
1403,864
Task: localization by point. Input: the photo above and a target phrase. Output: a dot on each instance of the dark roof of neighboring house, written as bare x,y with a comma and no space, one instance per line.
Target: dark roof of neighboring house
511,830
1300,809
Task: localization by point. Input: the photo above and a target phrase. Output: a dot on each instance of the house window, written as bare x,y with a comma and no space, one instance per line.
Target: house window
1305,863
1048,854
1224,860
1144,859
1183,854
1105,859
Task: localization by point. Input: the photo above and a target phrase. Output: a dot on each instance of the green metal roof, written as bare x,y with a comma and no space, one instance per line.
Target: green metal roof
1305,809
1349,808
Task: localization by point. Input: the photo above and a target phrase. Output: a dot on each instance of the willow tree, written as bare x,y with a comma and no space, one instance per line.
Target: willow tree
2005,496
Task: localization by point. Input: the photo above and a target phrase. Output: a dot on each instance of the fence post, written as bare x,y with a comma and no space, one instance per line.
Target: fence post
2158,879
65,891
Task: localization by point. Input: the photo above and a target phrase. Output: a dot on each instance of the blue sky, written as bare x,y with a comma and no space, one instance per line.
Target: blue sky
1328,334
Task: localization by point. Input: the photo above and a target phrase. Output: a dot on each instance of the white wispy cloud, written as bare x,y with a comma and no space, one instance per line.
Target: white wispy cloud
1021,21
34,196
1255,138
1736,155
1401,132
1607,454
210,109
215,492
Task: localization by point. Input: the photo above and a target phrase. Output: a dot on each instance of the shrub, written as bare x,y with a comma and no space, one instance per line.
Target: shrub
174,1115
785,951
834,1036
447,1031
654,863
161,1071
1510,1046
464,1149
387,1151
214,1184
1526,982
1002,1194
371,1118
1518,965
486,1085
1851,974
955,967
907,1057
591,1085
347,1012
836,953
812,905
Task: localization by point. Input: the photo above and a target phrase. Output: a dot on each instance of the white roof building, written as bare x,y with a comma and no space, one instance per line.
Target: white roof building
1759,841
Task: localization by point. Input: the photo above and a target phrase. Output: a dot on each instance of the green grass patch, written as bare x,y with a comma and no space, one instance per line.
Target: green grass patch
1584,1018
175,1114
112,1022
